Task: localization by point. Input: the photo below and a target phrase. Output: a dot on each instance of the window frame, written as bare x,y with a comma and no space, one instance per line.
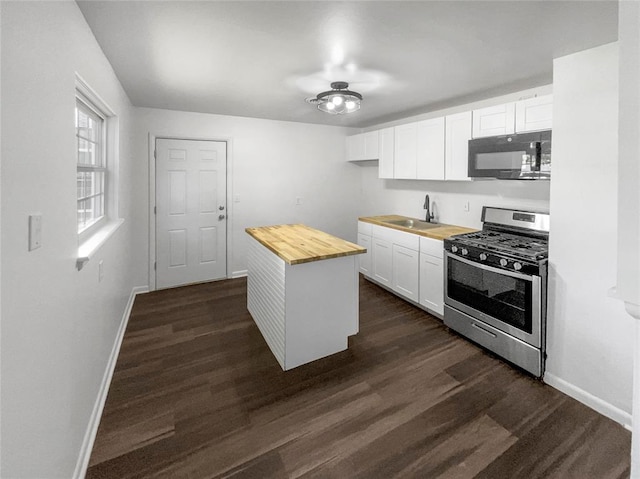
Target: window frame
92,238
91,228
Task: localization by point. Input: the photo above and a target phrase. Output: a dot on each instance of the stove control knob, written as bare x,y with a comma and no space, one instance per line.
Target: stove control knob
483,257
517,266
454,249
464,252
503,262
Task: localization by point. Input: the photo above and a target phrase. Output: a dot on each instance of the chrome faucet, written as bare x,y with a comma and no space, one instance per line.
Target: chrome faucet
429,216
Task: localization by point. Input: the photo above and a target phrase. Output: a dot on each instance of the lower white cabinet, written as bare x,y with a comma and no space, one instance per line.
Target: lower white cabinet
432,274
382,260
405,272
365,259
432,283
408,264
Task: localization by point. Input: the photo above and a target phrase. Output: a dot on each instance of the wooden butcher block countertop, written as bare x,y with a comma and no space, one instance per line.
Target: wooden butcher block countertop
301,244
441,231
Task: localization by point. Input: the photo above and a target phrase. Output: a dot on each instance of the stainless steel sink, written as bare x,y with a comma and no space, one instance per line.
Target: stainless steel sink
413,224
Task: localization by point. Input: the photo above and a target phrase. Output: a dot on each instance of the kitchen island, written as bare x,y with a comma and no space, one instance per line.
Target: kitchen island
302,291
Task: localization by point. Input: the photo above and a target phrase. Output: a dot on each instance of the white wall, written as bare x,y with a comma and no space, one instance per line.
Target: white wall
406,197
58,324
628,284
590,338
270,164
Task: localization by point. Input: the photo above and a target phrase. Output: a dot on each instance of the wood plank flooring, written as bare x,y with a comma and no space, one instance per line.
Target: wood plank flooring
196,393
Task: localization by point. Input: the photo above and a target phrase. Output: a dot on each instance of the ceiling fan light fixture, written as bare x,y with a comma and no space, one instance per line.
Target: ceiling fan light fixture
339,100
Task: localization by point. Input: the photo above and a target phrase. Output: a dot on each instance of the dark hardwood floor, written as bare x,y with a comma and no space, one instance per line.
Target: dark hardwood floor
197,394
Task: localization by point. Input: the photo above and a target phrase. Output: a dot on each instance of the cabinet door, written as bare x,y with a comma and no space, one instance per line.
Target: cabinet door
457,136
494,120
432,283
430,149
386,146
371,145
355,147
534,114
382,259
406,271
365,259
404,160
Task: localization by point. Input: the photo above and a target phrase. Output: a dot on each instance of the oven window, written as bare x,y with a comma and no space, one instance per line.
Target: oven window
503,297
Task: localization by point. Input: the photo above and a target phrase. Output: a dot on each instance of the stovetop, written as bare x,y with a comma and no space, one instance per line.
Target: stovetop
529,248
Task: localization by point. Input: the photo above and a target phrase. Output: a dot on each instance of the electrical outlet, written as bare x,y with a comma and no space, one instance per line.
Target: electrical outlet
35,232
298,200
236,199
466,206
100,270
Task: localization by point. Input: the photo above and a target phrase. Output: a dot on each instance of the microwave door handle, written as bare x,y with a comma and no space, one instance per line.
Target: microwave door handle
537,159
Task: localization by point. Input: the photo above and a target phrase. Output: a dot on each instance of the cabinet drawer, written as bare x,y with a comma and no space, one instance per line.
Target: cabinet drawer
365,228
408,240
431,247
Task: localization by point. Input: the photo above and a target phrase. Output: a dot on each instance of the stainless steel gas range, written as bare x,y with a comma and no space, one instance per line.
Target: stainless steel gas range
496,285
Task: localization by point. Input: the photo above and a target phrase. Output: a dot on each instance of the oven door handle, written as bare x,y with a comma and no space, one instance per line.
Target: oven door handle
513,274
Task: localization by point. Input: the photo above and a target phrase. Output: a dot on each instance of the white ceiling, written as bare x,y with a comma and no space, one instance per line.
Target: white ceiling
262,59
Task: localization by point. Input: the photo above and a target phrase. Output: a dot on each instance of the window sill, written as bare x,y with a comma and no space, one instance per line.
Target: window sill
91,245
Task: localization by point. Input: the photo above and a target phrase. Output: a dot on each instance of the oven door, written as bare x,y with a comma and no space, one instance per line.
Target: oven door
506,300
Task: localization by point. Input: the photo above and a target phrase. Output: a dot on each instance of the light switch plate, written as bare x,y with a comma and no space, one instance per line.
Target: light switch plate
35,231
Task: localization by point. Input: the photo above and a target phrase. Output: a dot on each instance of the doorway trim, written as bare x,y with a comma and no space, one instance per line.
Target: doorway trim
152,198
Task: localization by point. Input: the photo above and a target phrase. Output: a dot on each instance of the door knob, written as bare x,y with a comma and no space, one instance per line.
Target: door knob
221,208
221,217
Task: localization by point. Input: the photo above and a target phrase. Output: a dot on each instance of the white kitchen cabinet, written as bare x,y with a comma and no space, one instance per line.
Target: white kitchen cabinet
406,272
355,147
386,146
405,151
457,136
371,139
432,275
494,120
365,259
534,114
430,149
382,260
363,146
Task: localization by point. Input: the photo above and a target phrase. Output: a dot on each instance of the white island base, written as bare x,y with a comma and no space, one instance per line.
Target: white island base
304,311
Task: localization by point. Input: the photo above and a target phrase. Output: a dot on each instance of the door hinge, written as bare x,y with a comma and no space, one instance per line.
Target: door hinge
155,157
155,210
155,266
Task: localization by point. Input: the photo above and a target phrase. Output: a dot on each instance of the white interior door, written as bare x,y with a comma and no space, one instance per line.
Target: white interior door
191,224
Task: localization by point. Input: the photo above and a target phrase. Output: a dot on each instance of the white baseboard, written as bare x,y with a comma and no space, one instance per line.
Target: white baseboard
588,399
239,274
94,421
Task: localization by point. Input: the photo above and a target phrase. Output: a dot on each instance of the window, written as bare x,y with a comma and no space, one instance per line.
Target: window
97,147
92,173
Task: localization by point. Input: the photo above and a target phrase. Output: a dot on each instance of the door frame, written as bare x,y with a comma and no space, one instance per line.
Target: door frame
152,198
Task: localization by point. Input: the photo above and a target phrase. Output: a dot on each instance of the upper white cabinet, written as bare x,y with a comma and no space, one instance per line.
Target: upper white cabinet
430,149
534,114
494,120
419,150
371,140
405,151
386,152
457,136
363,146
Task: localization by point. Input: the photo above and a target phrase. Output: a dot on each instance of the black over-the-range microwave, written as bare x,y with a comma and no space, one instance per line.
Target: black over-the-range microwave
521,156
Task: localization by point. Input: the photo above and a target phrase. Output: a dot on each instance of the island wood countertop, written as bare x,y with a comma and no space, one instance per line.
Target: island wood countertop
440,232
302,244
